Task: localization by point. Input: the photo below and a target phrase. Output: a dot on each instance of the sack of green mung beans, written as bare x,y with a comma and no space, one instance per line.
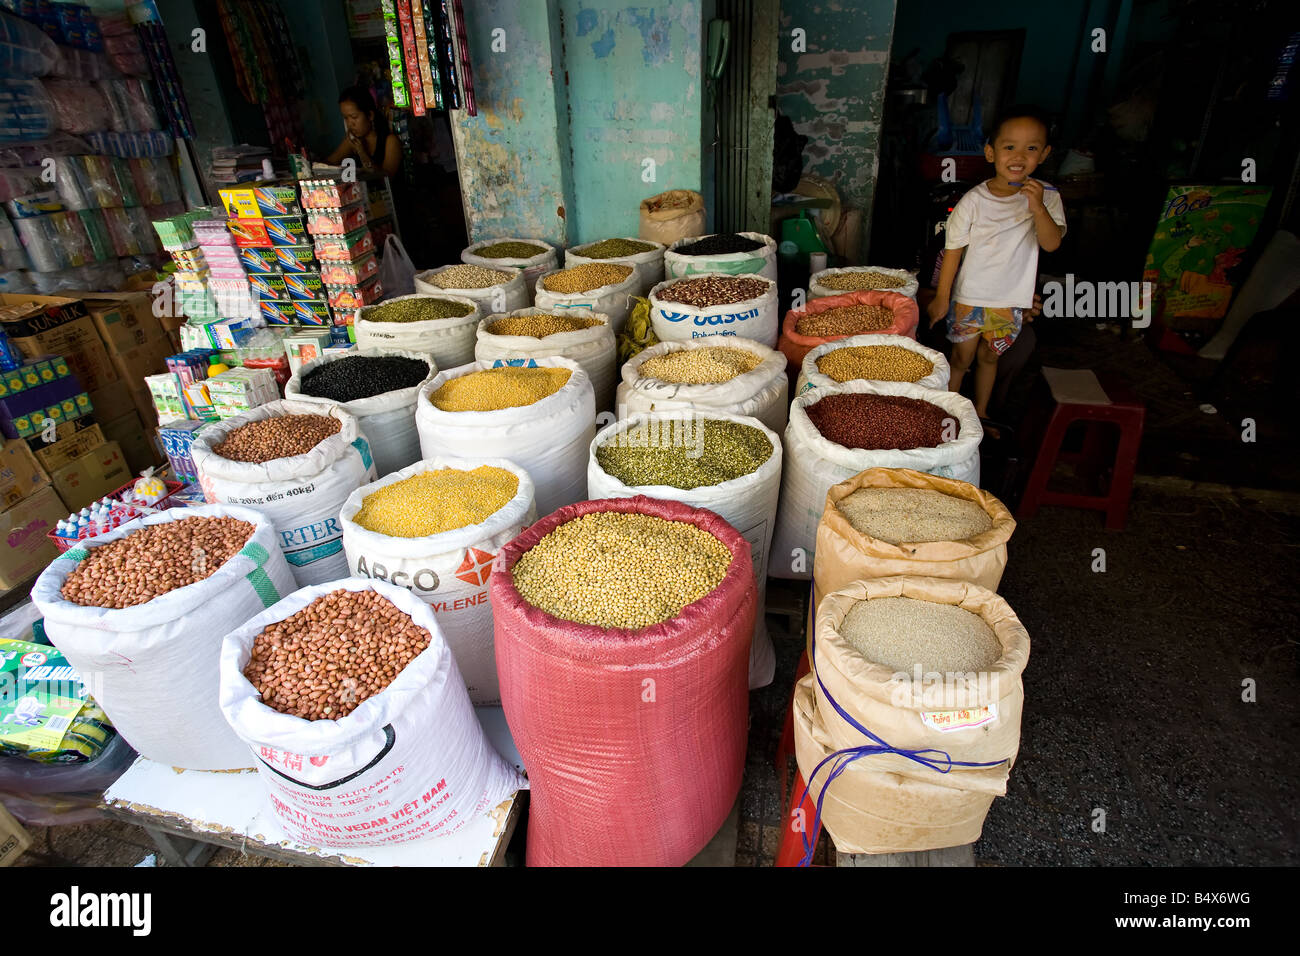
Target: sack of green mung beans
715,306
873,358
732,375
438,325
434,528
539,413
731,253
296,463
140,612
373,745
530,256
379,387
584,337
643,255
861,279
498,289
604,287
927,666
729,464
837,431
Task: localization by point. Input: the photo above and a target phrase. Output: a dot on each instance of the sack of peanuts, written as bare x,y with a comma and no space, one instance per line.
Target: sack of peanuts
715,306
539,413
296,463
604,287
372,745
434,529
140,612
495,289
735,253
641,254
440,326
729,464
830,282
672,215
873,358
376,386
835,432
584,337
732,375
917,665
532,257
841,316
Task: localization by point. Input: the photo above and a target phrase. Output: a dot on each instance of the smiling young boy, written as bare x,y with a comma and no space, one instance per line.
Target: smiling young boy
994,234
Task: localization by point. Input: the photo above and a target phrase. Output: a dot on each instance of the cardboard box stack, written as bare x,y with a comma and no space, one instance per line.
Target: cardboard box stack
339,223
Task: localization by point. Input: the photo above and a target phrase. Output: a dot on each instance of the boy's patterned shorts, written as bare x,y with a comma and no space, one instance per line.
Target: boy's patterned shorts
998,326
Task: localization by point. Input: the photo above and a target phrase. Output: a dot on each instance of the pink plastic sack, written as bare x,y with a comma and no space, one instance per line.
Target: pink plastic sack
634,741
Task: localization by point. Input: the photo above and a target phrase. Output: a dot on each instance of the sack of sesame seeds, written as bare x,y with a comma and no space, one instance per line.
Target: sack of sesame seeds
449,341
757,317
796,345
531,266
501,296
812,376
649,265
594,348
614,301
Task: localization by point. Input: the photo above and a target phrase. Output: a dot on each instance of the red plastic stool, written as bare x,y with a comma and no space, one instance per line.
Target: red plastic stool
1122,409
794,821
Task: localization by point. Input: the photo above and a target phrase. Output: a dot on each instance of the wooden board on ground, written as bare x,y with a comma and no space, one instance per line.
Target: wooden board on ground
14,840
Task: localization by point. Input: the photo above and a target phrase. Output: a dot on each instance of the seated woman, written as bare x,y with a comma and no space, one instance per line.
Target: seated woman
369,141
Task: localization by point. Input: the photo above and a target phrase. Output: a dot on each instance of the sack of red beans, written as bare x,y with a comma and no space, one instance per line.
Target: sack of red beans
805,329
372,740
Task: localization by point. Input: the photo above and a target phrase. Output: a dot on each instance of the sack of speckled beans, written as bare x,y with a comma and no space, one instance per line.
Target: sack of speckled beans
715,305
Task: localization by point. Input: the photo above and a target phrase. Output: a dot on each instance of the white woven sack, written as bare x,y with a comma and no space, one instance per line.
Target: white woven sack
649,265
810,377
759,393
547,439
614,300
510,294
747,503
817,290
759,261
301,494
345,783
531,267
813,465
758,318
155,667
447,571
595,349
387,420
449,341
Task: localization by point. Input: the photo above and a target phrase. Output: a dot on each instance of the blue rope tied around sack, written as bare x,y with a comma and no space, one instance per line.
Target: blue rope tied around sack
937,760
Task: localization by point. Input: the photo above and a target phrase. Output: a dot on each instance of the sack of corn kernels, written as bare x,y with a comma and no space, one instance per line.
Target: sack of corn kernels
857,313
716,305
613,299
527,333
861,279
873,358
649,264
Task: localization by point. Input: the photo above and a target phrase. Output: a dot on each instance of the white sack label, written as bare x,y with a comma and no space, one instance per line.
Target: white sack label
946,721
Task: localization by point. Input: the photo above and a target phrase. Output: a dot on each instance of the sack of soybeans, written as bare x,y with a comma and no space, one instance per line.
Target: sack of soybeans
737,376
584,337
835,432
440,326
434,528
623,630
377,386
532,257
538,413
727,253
351,707
296,463
715,306
671,215
140,612
604,287
873,358
840,316
910,665
729,464
494,289
646,257
830,282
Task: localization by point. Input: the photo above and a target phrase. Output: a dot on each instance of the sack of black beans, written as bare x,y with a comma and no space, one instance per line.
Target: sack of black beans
831,443
514,254
149,651
300,489
733,375
742,253
715,305
385,417
613,299
585,337
441,326
861,279
403,740
434,528
648,263
916,665
667,455
873,358
495,289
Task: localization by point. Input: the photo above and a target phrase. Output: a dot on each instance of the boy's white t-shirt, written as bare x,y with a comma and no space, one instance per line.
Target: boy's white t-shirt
1000,265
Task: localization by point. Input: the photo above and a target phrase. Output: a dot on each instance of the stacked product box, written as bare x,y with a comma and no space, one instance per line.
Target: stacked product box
41,391
177,439
193,298
236,391
340,231
227,279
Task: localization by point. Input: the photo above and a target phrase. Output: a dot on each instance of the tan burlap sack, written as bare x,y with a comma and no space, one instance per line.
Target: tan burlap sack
672,215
